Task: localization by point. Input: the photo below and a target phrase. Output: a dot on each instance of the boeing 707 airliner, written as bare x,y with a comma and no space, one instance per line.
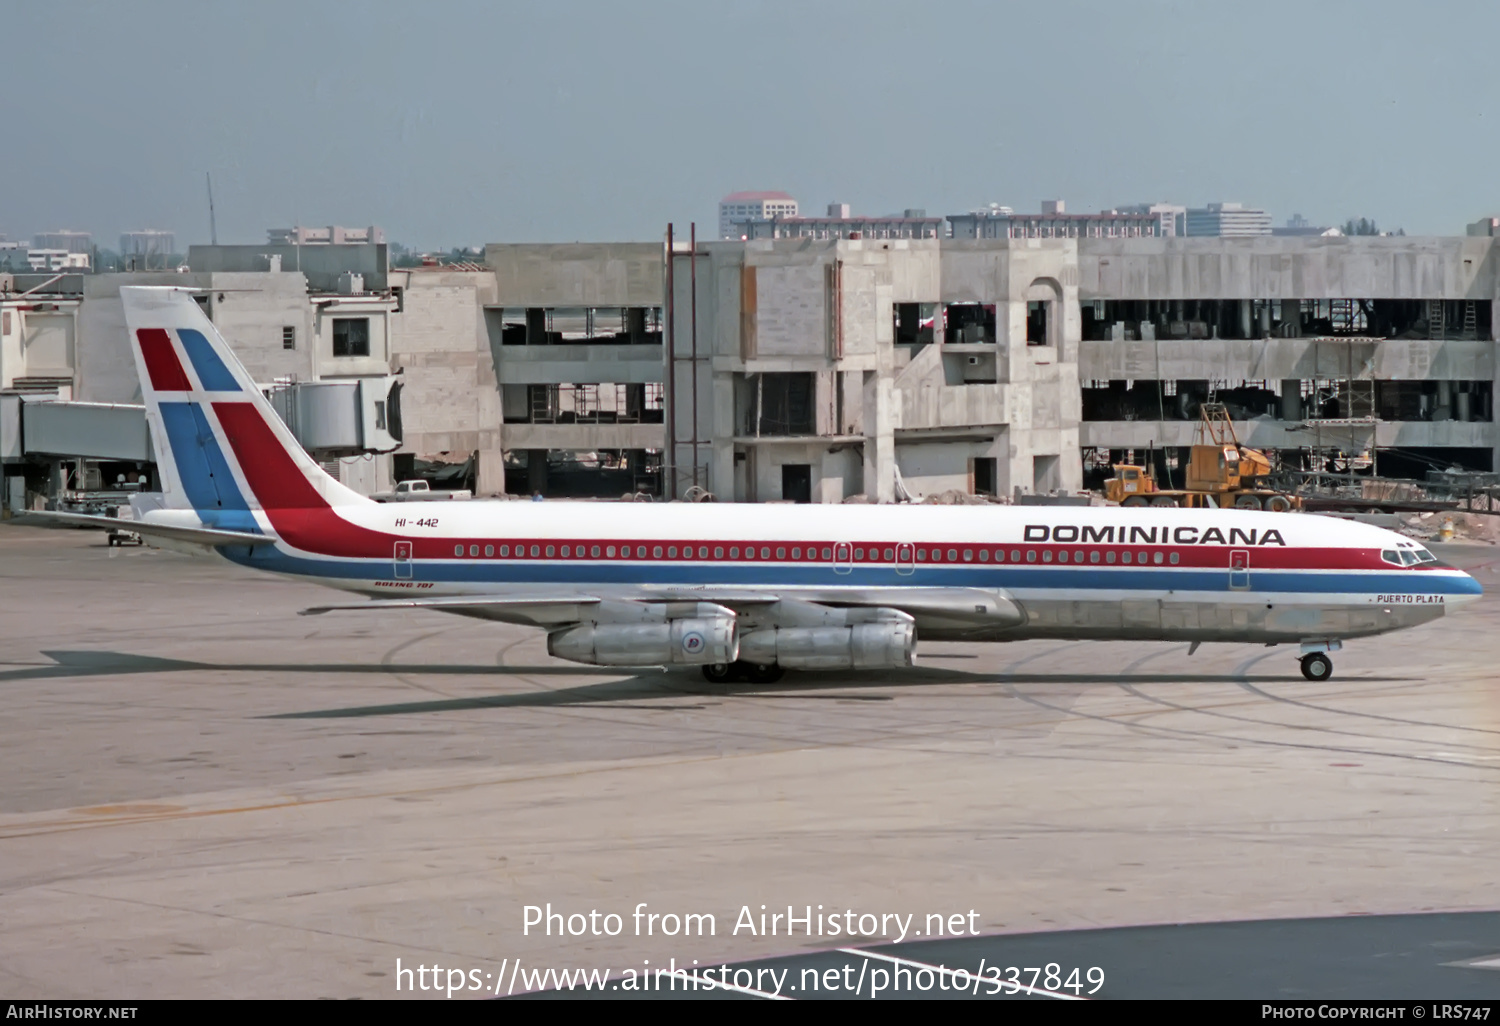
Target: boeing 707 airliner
746,591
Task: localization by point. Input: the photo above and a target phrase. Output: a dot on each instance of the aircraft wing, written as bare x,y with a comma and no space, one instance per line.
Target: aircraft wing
206,536
535,610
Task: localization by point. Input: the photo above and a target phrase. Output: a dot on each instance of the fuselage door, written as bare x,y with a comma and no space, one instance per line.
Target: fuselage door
1239,568
906,559
843,558
403,560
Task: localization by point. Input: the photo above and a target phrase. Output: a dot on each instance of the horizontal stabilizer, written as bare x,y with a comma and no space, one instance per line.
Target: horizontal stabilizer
192,535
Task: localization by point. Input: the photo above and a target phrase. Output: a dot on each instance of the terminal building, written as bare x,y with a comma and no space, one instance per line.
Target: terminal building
793,369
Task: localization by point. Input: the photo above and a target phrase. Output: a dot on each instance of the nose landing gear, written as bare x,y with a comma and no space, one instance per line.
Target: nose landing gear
1316,666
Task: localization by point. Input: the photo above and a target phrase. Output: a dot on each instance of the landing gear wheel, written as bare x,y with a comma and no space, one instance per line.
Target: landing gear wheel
763,673
719,673
1317,667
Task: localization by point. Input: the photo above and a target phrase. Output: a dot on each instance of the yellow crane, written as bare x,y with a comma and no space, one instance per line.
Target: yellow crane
1221,472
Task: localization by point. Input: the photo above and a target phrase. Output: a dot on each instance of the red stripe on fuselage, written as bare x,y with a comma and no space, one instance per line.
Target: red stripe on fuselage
162,364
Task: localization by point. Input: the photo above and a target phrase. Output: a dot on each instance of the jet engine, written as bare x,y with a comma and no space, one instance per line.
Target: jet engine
709,634
889,641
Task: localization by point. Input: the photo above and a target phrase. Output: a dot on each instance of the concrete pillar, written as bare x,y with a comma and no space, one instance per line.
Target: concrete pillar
880,438
1444,409
1291,318
536,471
1291,399
536,326
489,474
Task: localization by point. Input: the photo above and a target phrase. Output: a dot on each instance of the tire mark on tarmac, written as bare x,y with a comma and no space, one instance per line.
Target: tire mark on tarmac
1205,711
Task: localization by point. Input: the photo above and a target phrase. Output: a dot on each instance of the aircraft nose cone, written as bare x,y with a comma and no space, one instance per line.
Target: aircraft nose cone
1466,590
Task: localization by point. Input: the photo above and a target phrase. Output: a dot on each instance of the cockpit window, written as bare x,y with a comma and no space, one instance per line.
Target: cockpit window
1408,557
1391,556
1423,556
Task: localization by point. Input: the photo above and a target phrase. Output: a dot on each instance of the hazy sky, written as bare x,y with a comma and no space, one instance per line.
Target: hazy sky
464,123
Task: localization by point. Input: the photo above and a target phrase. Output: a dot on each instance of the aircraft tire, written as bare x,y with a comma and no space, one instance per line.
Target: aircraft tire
1317,667
763,673
720,673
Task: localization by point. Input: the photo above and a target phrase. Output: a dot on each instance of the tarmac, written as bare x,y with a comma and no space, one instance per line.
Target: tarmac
203,794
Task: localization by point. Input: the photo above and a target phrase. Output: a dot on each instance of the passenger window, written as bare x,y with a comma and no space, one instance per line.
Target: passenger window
1156,558
890,554
1174,559
952,555
536,550
1094,556
458,550
656,552
827,553
1062,557
1046,555
968,555
594,552
1015,555
765,552
671,551
859,553
489,550
1124,557
565,550
921,555
718,552
1109,557
505,550
984,555
780,552
796,553
734,552
1140,557
549,551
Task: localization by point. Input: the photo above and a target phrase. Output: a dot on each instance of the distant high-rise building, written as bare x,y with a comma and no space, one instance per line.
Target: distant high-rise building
912,223
1173,218
1227,219
752,206
147,248
67,241
1299,226
1054,222
333,235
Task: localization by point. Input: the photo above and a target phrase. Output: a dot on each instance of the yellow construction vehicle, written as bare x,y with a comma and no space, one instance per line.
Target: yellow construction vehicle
1221,472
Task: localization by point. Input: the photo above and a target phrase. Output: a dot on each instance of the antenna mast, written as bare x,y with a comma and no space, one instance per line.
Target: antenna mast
213,230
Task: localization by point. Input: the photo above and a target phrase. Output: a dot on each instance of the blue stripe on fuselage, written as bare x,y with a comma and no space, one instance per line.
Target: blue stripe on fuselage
204,472
767,575
211,370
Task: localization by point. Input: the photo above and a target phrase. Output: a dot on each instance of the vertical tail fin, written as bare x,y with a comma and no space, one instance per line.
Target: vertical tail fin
220,448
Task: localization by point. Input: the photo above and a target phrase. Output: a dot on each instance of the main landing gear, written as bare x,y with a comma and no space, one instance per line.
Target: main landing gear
755,673
1316,666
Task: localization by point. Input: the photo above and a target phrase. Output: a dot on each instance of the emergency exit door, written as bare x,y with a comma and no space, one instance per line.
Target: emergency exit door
906,560
403,560
1239,569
